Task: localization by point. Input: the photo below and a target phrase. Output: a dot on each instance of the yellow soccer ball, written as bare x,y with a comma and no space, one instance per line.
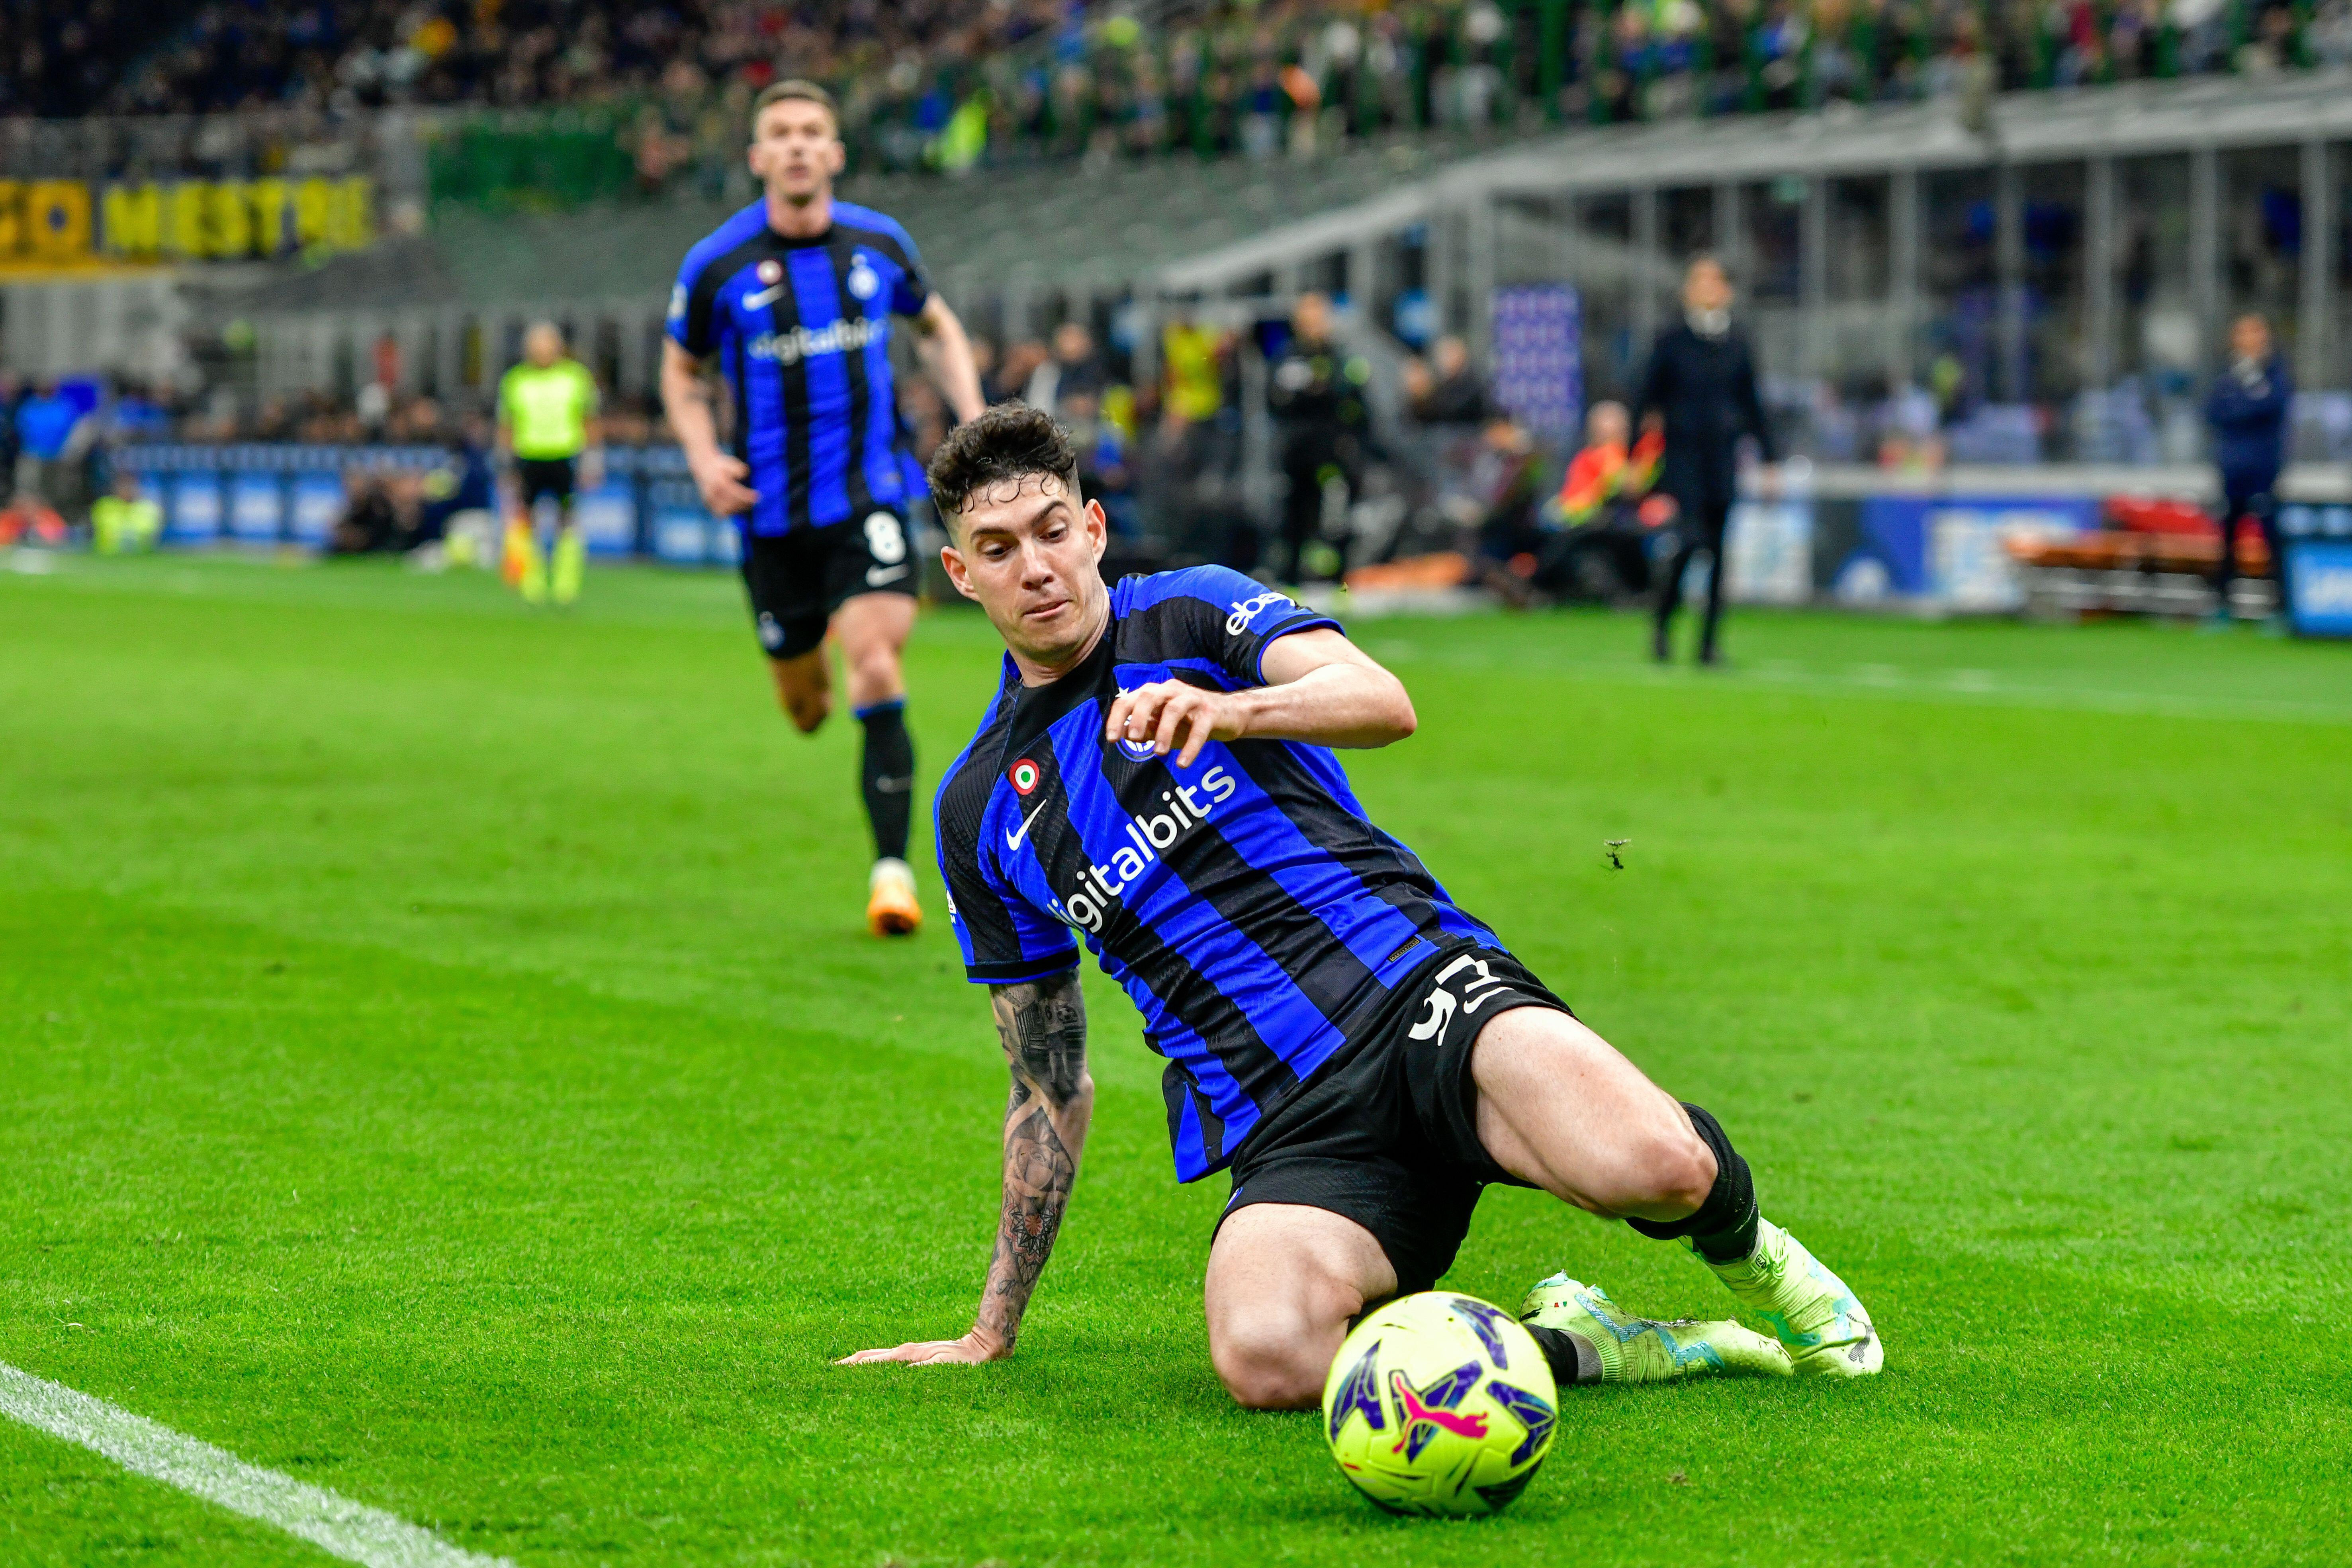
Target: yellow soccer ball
1439,1404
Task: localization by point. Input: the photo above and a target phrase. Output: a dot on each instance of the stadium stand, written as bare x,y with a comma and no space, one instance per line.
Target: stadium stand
950,83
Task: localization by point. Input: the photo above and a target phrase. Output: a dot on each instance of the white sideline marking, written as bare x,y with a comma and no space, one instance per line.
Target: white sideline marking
352,1530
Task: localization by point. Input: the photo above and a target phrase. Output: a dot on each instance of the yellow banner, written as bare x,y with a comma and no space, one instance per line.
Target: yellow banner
49,224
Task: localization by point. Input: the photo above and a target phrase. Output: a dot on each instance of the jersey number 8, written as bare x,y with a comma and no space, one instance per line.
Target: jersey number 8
886,538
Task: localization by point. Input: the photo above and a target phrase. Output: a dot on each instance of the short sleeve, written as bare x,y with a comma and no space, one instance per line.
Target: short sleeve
1007,940
691,309
912,291
1216,614
591,400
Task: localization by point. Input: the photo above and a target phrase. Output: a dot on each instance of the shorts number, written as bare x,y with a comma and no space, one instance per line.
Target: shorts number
885,539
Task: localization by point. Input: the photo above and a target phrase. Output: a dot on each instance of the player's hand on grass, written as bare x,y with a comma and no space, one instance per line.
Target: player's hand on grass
721,481
970,1350
1172,716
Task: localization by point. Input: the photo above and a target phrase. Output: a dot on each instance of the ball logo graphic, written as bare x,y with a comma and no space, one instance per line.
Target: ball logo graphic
863,283
1439,1404
771,270
1024,776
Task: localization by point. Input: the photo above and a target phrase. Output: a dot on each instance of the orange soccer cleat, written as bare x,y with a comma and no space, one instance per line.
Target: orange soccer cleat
890,905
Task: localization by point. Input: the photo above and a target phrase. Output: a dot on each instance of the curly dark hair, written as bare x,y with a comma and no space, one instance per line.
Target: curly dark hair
1008,441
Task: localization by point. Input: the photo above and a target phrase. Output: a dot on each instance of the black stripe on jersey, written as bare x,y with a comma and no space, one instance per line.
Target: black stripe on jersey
853,364
783,316
1395,876
1184,990
1180,626
740,437
1260,909
704,297
1176,1087
963,802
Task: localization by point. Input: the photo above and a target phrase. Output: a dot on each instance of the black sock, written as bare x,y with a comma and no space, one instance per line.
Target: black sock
1724,1228
887,776
1572,1358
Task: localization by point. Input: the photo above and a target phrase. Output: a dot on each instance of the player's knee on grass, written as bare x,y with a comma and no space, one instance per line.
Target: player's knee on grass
1268,1365
1284,1283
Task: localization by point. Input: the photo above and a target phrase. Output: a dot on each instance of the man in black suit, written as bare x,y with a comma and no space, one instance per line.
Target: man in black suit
1702,387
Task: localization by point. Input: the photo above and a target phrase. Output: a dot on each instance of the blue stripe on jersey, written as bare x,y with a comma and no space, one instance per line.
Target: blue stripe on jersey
1292,1027
1255,827
810,271
764,442
1328,772
885,478
1174,1039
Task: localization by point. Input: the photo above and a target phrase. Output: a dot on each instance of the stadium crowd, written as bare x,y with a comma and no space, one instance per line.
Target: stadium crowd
950,83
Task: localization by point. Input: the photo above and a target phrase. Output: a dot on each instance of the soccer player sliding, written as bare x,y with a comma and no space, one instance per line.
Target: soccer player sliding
1155,773
793,297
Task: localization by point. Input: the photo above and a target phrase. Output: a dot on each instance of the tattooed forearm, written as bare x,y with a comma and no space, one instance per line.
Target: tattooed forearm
1043,1029
1042,1025
1038,1172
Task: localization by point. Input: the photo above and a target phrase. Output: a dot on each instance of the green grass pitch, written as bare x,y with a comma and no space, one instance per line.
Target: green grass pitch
440,1060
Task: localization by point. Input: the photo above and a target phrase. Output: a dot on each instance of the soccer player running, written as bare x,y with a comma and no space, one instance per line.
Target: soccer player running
549,430
1154,774
792,300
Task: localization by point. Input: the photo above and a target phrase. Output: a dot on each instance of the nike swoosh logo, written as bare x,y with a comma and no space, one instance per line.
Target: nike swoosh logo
1013,840
875,574
763,299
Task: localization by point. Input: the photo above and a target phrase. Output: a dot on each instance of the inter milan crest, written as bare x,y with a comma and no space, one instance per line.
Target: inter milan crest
771,270
1024,776
1136,751
862,280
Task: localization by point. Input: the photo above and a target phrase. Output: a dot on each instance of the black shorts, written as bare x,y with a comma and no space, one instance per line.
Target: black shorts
1387,1135
798,579
538,476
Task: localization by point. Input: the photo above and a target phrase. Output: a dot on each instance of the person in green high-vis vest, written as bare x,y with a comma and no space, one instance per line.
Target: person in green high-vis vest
549,434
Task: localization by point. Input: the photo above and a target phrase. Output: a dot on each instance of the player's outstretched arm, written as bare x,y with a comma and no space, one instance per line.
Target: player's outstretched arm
1043,1026
1320,688
945,349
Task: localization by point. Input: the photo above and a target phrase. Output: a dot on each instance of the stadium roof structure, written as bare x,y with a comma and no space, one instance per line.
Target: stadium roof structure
2133,120
1179,227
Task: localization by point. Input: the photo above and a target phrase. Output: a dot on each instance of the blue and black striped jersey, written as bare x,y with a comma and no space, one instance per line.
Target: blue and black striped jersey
1249,908
802,330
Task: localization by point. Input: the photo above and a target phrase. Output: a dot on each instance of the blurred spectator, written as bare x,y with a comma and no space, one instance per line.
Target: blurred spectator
1603,504
1606,473
1074,370
1449,392
382,515
1022,362
125,521
2247,408
465,482
1505,486
54,432
1193,360
1316,392
1103,470
950,84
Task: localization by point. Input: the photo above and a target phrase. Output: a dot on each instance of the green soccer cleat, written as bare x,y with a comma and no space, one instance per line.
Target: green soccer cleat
1811,1310
571,564
1645,1350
